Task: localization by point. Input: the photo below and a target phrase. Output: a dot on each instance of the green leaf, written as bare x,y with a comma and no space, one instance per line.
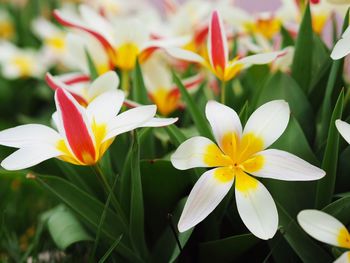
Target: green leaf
92,66
198,118
110,250
65,229
303,245
302,62
333,79
175,134
167,248
139,91
287,39
137,231
88,209
325,186
282,86
340,209
227,249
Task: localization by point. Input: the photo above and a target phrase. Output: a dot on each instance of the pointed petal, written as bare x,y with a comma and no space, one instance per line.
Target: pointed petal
344,258
324,228
28,135
258,59
217,43
29,156
344,129
106,106
130,120
223,120
77,130
269,121
256,207
282,165
341,49
106,82
55,83
205,196
198,152
186,55
66,20
159,122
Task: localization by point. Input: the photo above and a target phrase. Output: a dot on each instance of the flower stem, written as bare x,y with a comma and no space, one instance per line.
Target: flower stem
108,190
223,91
125,81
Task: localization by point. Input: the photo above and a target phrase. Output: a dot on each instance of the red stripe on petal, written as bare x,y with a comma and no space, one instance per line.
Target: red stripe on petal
77,79
104,42
55,84
217,43
200,35
76,130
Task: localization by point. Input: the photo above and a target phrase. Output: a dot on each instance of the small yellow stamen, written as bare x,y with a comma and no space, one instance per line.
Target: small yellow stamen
213,156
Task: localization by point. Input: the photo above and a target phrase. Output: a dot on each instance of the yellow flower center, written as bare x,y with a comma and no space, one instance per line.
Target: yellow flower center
236,158
268,27
344,238
24,65
56,42
126,55
6,29
165,101
99,131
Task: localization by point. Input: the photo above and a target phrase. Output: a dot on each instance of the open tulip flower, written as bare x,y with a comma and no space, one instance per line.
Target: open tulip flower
83,135
240,156
123,39
218,53
327,229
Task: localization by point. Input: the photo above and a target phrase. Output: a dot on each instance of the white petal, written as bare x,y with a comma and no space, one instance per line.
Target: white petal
130,120
106,106
258,59
106,82
344,129
29,156
341,49
344,258
269,121
29,134
205,196
159,122
183,54
257,210
222,120
191,153
321,226
282,165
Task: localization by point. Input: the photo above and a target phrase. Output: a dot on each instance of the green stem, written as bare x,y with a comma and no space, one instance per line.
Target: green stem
223,91
108,190
125,81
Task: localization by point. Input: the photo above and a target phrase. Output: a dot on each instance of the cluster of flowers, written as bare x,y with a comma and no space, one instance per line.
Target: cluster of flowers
117,37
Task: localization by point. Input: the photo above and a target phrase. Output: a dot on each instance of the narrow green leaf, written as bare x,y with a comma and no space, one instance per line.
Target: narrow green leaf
334,76
340,209
227,249
176,135
302,62
325,186
65,229
303,245
197,116
167,248
287,39
139,91
88,209
137,231
110,250
92,66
